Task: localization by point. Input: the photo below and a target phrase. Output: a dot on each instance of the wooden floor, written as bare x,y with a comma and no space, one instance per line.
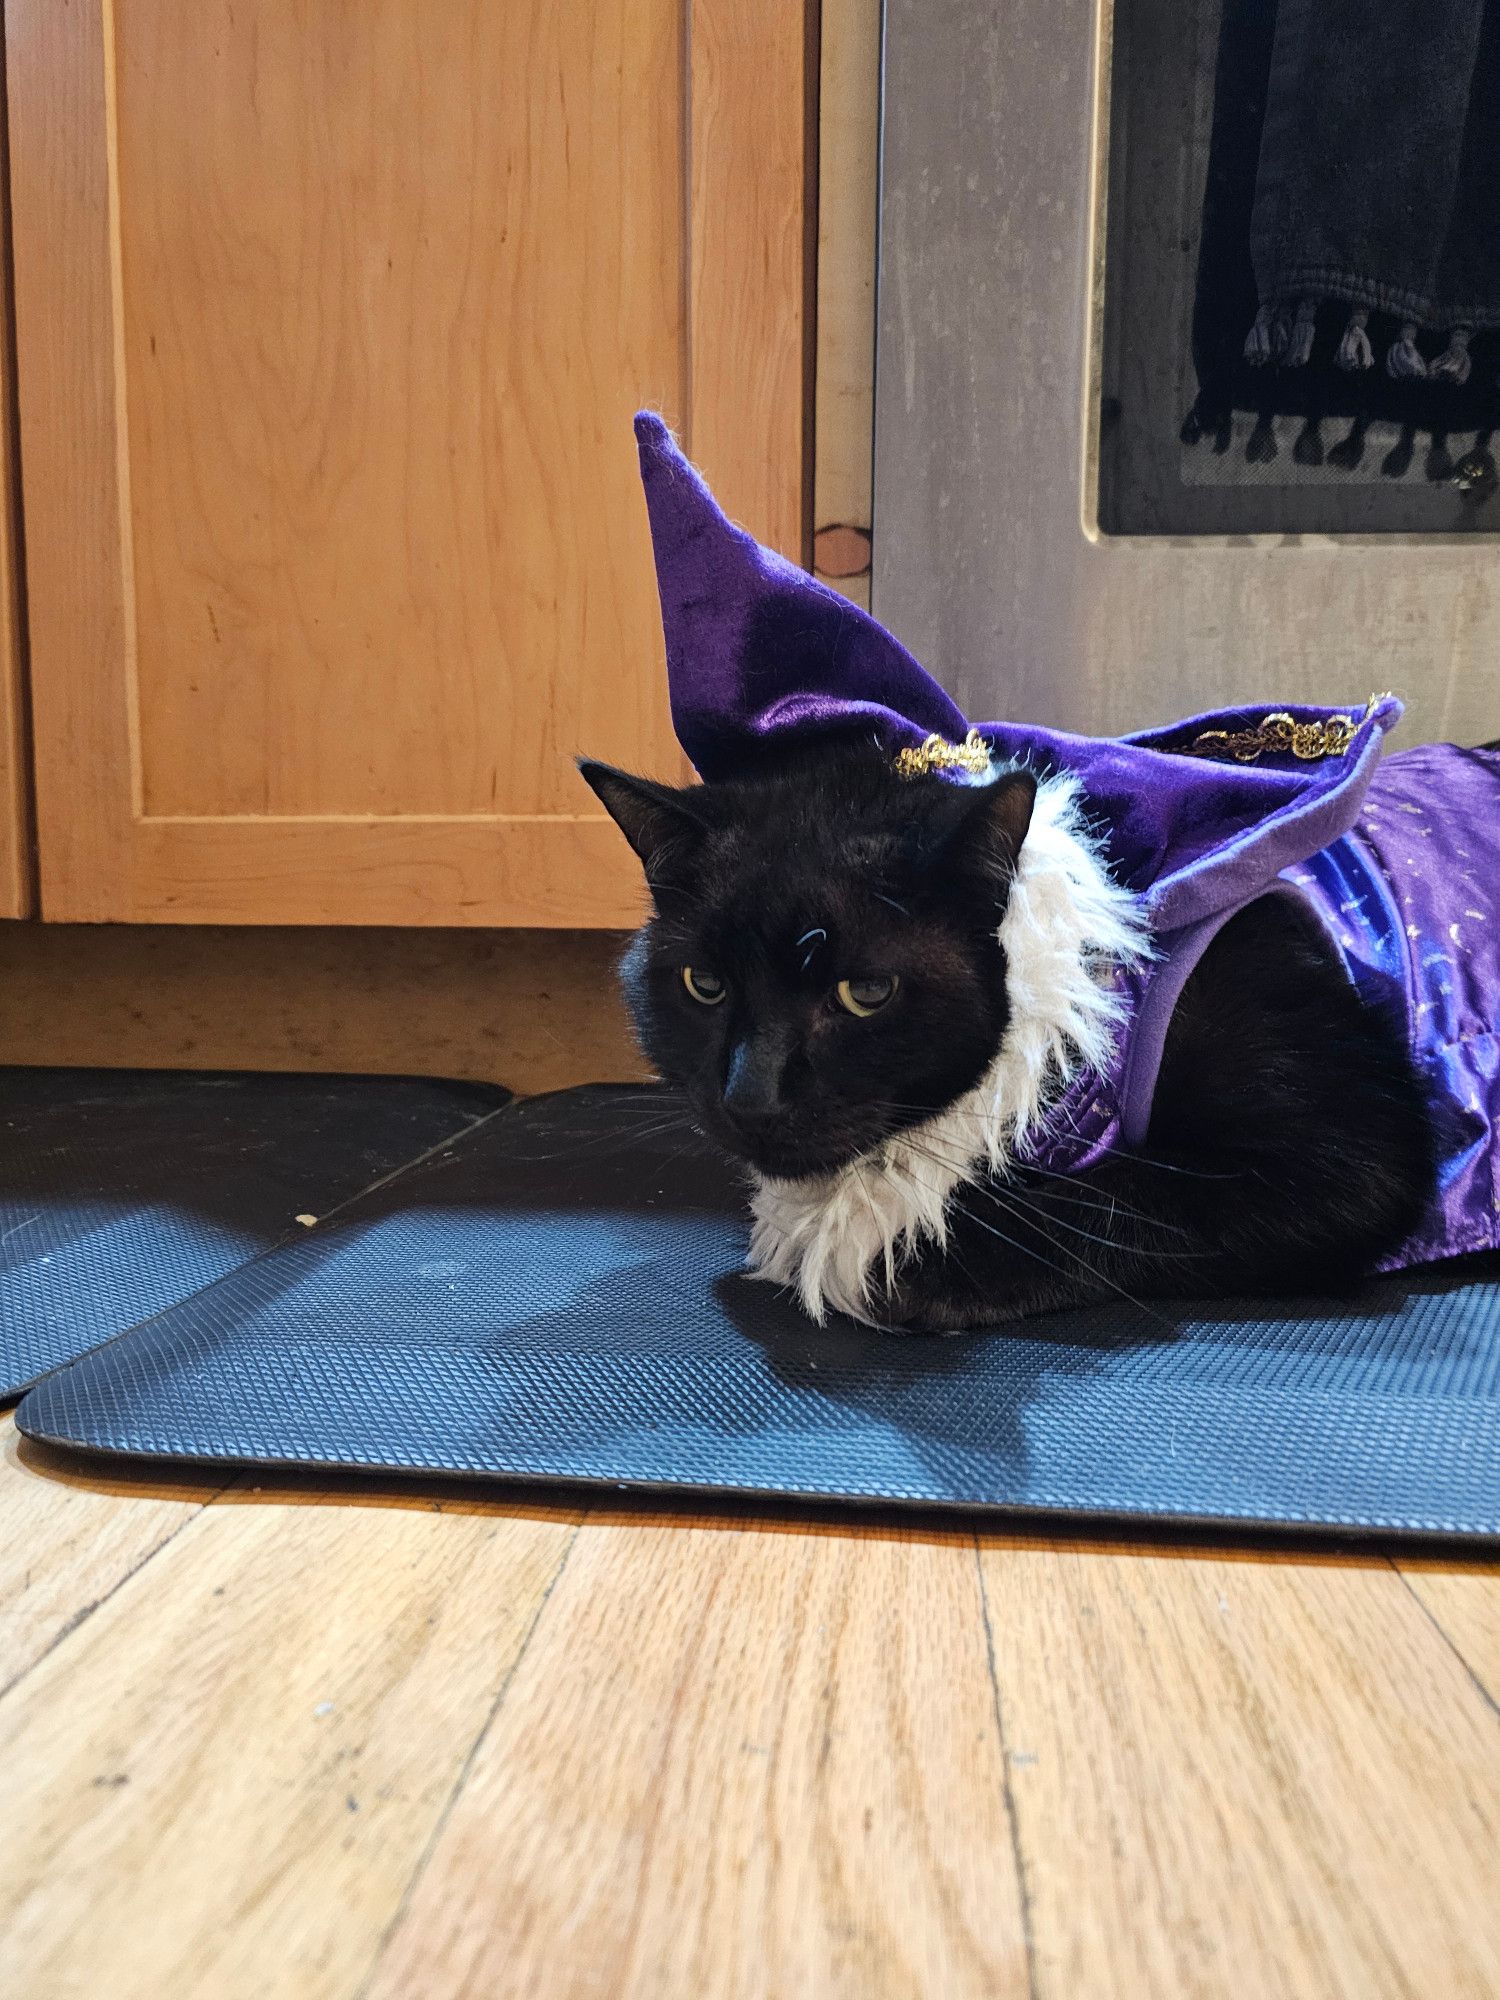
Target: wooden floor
309,1739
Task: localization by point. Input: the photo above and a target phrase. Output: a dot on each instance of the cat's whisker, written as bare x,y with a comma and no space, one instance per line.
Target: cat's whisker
999,1199
1084,1265
611,1142
1113,1204
1012,1196
1169,1167
981,1118
1026,1251
1043,1173
1008,1194
1190,1173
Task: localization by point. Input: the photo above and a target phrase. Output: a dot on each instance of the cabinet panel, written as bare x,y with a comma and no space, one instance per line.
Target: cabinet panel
15,825
331,320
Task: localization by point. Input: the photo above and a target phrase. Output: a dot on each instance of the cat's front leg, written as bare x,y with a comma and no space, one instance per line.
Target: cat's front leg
935,1295
909,1308
1027,1244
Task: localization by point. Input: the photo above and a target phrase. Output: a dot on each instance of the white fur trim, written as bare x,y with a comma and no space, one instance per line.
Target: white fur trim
1067,923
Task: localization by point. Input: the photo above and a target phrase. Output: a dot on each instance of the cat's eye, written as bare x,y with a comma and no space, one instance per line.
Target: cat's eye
866,996
705,988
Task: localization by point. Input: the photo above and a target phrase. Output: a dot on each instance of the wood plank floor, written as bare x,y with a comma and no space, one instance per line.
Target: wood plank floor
312,1741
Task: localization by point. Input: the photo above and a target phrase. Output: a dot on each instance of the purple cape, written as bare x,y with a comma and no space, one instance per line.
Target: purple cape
1397,859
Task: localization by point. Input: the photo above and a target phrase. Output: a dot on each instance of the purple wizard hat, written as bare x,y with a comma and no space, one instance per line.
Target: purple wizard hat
756,648
760,654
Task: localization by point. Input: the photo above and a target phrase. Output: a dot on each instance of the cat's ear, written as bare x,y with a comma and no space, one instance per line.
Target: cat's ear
1002,819
982,830
658,821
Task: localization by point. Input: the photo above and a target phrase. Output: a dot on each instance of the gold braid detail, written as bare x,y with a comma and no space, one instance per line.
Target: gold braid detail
937,754
1281,735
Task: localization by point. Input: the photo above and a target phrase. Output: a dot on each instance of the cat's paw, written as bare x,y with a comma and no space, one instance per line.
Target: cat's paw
917,1308
918,1305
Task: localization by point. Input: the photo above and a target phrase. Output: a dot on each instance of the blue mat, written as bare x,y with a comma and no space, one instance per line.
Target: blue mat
123,1191
557,1296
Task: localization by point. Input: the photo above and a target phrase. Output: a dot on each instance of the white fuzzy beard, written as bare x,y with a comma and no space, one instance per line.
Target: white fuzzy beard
1066,925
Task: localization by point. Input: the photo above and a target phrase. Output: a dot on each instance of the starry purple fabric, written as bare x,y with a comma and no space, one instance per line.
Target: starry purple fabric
1395,858
1411,897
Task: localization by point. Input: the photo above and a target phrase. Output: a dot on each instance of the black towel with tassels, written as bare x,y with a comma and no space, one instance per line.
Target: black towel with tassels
1350,251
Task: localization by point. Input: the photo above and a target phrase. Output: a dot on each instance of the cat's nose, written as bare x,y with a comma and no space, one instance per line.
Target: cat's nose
752,1085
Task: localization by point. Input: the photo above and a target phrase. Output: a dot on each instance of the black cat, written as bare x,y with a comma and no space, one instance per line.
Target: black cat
869,988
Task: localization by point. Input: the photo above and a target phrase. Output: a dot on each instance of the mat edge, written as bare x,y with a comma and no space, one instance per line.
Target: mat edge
1291,1528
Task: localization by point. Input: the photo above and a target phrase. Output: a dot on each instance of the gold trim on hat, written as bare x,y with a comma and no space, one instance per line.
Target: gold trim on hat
1282,735
937,754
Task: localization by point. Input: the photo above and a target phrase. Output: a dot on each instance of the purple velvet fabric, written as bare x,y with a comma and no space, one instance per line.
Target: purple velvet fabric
758,652
1411,897
755,646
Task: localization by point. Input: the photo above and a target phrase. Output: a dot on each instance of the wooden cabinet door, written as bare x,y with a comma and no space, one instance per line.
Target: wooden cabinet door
15,817
332,315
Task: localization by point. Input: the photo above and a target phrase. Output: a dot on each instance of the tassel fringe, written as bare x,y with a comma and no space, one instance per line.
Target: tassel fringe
1278,335
1286,338
1453,364
1299,340
1474,473
1403,360
1258,339
1397,461
1355,351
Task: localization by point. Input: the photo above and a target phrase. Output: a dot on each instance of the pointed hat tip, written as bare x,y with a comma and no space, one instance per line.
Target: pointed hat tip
678,499
651,430
756,648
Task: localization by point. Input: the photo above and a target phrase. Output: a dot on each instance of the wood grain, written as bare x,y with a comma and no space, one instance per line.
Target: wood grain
749,307
394,279
1235,1776
81,636
331,322
1464,1605
224,1779
736,1761
557,872
316,1740
848,206
536,1010
68,1543
15,770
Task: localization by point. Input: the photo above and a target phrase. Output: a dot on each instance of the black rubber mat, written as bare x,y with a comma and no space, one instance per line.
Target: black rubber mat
556,1296
123,1191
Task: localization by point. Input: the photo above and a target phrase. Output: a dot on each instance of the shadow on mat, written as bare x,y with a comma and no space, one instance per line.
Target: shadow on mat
923,1387
83,1148
123,1191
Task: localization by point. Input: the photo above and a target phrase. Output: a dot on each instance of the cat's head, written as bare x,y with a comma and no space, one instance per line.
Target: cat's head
821,968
